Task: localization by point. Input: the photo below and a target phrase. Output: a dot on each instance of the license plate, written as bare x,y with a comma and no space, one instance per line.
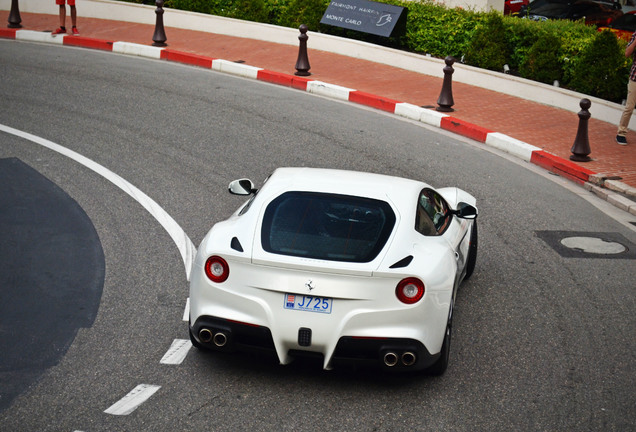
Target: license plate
308,303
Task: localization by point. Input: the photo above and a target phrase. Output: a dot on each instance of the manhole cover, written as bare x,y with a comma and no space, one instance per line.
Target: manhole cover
593,245
571,244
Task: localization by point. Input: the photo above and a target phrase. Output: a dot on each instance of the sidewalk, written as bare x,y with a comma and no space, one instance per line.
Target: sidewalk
477,111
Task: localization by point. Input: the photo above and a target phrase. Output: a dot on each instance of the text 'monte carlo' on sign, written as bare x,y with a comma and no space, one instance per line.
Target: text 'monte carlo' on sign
366,16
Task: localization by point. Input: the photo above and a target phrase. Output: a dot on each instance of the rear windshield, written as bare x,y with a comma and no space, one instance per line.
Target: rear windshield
327,226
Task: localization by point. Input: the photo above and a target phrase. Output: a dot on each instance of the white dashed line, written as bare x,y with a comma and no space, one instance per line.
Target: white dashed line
177,352
132,400
180,238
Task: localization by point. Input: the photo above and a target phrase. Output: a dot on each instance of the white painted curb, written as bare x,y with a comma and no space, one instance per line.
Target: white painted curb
137,50
530,90
511,145
433,118
239,69
32,36
409,111
329,90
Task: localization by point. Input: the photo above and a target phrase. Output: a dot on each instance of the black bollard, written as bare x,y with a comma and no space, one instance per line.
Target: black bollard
14,15
445,100
159,37
302,64
581,147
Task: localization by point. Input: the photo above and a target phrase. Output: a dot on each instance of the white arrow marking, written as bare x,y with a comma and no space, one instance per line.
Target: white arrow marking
180,238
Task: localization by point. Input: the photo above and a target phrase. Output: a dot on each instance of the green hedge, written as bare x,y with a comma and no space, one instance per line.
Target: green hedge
576,55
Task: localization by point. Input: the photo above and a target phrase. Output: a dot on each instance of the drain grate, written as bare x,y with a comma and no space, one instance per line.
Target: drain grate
576,244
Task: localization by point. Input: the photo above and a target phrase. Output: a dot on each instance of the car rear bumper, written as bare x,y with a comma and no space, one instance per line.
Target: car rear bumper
391,354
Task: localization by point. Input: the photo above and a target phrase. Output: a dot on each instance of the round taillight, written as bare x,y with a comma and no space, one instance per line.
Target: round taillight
216,269
410,290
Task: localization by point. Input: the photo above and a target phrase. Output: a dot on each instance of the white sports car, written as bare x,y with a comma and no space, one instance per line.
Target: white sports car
347,266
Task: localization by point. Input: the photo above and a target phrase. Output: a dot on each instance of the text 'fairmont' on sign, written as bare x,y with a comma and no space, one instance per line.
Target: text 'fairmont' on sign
365,16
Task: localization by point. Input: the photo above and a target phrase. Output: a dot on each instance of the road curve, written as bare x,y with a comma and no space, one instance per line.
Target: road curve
541,340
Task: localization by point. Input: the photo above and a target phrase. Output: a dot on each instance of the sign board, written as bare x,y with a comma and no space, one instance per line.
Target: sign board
366,16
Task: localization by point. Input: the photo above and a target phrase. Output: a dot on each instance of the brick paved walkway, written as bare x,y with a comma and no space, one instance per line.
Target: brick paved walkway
549,128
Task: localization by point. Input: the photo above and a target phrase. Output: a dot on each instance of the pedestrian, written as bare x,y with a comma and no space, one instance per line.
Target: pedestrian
62,28
631,93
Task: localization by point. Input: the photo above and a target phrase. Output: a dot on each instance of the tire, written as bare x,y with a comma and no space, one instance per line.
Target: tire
439,367
472,251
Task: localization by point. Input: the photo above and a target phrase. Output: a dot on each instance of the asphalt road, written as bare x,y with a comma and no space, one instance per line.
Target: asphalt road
541,341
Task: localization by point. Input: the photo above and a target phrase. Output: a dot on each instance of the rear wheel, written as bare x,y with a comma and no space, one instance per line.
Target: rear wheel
472,251
439,367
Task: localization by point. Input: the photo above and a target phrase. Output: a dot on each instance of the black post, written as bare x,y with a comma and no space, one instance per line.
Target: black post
159,37
14,15
581,147
302,64
445,100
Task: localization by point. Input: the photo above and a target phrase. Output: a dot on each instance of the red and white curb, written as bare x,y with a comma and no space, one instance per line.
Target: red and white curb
591,180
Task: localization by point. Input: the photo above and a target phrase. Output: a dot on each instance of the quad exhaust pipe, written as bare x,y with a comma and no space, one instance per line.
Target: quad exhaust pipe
206,336
219,339
408,358
391,358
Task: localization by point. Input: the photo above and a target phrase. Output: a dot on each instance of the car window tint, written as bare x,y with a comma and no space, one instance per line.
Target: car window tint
628,22
327,226
432,215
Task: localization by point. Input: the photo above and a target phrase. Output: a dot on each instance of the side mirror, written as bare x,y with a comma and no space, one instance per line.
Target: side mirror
242,187
465,211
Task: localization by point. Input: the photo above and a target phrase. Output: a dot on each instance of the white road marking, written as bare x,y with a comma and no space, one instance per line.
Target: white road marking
180,238
177,352
132,400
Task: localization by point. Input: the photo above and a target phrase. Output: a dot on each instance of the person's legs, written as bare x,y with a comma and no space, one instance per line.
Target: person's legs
61,29
62,16
630,103
74,16
71,4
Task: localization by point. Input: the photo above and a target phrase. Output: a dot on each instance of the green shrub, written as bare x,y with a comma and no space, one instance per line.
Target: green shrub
308,12
274,9
202,6
575,37
543,61
488,48
521,35
569,51
436,30
249,10
602,69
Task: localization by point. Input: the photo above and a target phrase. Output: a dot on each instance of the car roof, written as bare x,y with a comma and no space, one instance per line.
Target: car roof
343,182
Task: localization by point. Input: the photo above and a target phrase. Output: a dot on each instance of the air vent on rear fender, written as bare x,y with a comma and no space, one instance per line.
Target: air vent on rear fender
403,262
236,244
